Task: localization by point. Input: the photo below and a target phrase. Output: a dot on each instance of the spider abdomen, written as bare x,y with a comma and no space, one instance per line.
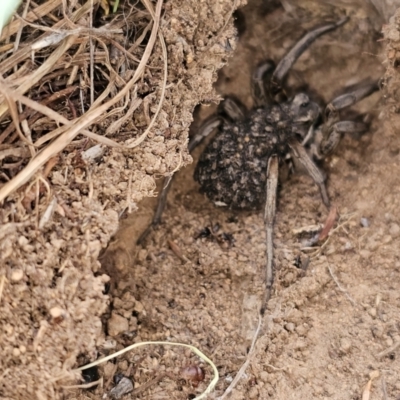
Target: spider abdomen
232,170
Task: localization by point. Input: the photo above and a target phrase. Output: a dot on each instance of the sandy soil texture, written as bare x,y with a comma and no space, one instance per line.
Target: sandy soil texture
52,287
331,330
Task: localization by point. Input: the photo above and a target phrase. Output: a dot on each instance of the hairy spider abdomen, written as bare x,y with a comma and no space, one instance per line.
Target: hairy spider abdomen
232,170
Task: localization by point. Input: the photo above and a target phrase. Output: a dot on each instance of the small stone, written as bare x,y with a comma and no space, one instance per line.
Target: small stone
142,255
290,327
347,246
139,307
289,278
57,313
133,324
124,386
8,329
109,344
345,345
372,312
105,278
394,230
377,331
365,222
374,374
123,365
387,239
23,241
109,371
16,352
372,245
365,254
302,329
17,275
264,376
117,324
300,344
253,393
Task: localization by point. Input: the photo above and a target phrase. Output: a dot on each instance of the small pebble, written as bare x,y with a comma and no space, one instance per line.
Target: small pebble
109,344
377,331
365,254
302,329
372,312
372,245
289,278
57,312
374,374
124,386
365,222
117,324
139,307
394,230
253,393
290,327
387,239
345,345
17,275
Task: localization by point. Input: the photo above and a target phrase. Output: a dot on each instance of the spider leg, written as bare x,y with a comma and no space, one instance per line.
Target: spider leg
232,108
334,134
229,107
261,74
301,154
205,130
351,98
333,129
269,216
286,63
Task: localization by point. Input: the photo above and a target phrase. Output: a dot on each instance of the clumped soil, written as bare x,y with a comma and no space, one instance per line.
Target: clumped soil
330,330
52,284
198,278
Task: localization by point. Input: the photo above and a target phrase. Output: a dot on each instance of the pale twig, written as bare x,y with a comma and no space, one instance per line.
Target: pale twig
2,282
85,385
352,301
19,33
210,387
91,50
227,19
384,390
242,369
340,226
39,73
389,350
143,136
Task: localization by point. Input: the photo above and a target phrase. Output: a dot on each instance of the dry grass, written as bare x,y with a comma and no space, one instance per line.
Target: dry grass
50,71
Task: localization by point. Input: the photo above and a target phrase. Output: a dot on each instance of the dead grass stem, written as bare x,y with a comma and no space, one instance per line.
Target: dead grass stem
66,35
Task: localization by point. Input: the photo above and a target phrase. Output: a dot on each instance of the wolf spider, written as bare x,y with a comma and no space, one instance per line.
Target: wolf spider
239,167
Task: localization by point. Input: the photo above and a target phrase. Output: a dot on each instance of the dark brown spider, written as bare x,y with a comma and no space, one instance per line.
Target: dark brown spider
239,167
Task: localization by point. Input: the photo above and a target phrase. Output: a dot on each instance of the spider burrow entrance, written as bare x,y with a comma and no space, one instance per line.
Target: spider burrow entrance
239,167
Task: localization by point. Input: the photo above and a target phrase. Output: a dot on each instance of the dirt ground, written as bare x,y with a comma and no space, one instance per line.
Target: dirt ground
52,230
329,331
